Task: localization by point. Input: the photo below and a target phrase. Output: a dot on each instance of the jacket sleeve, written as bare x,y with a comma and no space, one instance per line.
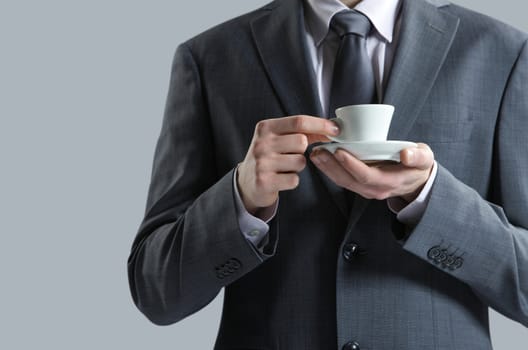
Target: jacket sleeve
485,243
189,244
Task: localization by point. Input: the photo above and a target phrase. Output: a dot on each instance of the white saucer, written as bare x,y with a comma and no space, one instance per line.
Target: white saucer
370,150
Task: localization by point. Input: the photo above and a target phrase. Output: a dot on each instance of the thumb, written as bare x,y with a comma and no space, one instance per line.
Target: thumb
420,157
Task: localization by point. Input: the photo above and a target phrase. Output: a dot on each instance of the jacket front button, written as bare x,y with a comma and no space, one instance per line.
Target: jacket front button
350,251
351,346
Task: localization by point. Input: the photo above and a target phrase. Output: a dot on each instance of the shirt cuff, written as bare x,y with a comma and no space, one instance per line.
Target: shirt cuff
411,213
253,228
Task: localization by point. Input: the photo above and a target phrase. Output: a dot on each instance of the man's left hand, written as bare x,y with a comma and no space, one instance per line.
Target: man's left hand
379,180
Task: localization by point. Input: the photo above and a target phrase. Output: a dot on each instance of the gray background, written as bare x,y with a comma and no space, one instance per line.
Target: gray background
83,86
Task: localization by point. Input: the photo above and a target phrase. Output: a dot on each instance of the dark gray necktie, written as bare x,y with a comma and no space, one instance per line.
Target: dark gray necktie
353,78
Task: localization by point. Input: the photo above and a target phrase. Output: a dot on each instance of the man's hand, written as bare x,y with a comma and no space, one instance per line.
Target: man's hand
276,155
378,181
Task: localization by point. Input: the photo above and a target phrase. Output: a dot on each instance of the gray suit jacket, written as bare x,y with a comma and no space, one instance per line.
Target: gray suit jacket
458,82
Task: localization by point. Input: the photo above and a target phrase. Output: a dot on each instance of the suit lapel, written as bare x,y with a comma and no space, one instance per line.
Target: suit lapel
425,38
279,35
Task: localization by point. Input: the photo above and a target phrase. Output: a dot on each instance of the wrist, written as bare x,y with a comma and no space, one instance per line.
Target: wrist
248,205
250,208
410,197
262,212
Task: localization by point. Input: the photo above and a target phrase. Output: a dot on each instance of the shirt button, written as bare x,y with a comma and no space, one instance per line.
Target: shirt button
254,233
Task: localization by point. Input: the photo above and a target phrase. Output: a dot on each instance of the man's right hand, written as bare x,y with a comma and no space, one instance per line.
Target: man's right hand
276,156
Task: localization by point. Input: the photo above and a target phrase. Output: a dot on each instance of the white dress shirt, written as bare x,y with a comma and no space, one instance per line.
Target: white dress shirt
323,45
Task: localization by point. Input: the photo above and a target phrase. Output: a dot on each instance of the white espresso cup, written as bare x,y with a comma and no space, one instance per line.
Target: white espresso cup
369,122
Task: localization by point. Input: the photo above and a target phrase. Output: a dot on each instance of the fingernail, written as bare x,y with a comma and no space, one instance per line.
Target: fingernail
335,129
339,156
410,156
323,157
315,159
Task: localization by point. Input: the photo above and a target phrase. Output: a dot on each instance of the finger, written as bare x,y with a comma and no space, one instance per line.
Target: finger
420,157
304,124
287,163
291,143
361,172
286,181
270,183
329,165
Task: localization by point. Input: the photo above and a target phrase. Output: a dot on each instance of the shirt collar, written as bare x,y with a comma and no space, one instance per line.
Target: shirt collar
382,13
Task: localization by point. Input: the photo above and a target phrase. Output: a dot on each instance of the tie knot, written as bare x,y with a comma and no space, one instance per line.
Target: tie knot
350,22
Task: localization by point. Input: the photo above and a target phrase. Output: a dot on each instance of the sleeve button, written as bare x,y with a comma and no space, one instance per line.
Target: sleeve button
433,253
